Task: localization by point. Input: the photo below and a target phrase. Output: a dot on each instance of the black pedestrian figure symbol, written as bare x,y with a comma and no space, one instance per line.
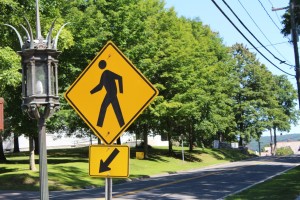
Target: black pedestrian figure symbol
108,80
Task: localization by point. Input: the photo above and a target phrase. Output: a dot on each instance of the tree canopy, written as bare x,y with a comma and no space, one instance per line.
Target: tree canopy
207,90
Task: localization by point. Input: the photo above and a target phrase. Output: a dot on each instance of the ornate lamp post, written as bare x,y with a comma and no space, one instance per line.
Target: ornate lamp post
39,85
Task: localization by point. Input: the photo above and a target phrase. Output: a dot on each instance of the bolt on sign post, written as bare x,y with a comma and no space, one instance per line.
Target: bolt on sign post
110,93
1,114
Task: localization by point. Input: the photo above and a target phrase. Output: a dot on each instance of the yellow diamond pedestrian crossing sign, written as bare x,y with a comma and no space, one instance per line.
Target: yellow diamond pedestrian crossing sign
110,93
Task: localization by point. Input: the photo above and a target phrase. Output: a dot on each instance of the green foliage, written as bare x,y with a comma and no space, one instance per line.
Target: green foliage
286,18
284,151
207,91
9,66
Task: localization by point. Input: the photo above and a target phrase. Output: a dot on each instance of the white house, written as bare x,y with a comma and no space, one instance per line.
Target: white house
55,142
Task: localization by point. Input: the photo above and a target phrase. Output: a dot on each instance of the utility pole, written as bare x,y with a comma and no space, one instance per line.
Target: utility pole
295,41
296,52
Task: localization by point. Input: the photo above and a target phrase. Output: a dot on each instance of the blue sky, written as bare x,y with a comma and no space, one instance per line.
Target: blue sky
265,27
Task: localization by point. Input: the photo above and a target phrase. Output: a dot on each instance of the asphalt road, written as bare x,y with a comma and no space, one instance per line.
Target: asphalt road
215,182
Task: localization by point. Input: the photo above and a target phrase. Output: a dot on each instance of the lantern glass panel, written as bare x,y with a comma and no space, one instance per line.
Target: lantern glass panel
28,84
53,80
40,78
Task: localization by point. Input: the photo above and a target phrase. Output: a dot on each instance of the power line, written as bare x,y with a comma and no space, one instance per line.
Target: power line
274,44
269,15
275,13
249,40
281,61
265,37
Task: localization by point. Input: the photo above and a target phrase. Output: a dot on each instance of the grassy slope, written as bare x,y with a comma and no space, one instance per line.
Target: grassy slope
68,168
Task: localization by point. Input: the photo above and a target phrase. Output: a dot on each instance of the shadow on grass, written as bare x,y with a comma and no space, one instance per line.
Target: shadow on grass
82,152
20,182
137,177
156,155
171,172
156,158
50,160
72,177
65,160
54,156
230,154
191,157
17,161
194,156
216,154
7,170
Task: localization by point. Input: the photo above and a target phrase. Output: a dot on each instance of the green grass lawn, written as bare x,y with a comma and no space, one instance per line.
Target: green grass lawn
285,186
68,168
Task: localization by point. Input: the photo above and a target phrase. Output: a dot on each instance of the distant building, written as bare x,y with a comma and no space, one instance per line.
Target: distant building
55,141
295,145
264,143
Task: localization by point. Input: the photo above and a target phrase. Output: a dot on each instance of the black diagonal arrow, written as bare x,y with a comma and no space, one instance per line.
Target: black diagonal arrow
104,164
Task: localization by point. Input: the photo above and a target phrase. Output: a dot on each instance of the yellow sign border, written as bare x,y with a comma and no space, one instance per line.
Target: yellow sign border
110,146
87,121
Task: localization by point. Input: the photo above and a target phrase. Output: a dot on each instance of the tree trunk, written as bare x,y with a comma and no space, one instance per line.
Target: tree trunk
99,141
271,142
145,134
136,139
31,154
241,142
36,145
259,150
16,143
190,142
2,156
275,141
220,136
170,144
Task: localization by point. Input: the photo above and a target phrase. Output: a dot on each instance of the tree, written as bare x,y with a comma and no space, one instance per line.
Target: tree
9,79
287,18
207,90
206,100
285,113
253,94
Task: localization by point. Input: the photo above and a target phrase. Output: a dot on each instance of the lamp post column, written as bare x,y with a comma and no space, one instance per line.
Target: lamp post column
44,190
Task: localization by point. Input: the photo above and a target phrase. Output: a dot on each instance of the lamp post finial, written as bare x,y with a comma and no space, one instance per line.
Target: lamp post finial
38,24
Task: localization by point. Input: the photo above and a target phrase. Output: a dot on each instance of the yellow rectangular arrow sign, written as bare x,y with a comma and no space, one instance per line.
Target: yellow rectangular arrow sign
109,161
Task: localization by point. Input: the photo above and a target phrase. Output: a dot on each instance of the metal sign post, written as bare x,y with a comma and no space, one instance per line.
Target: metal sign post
108,189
